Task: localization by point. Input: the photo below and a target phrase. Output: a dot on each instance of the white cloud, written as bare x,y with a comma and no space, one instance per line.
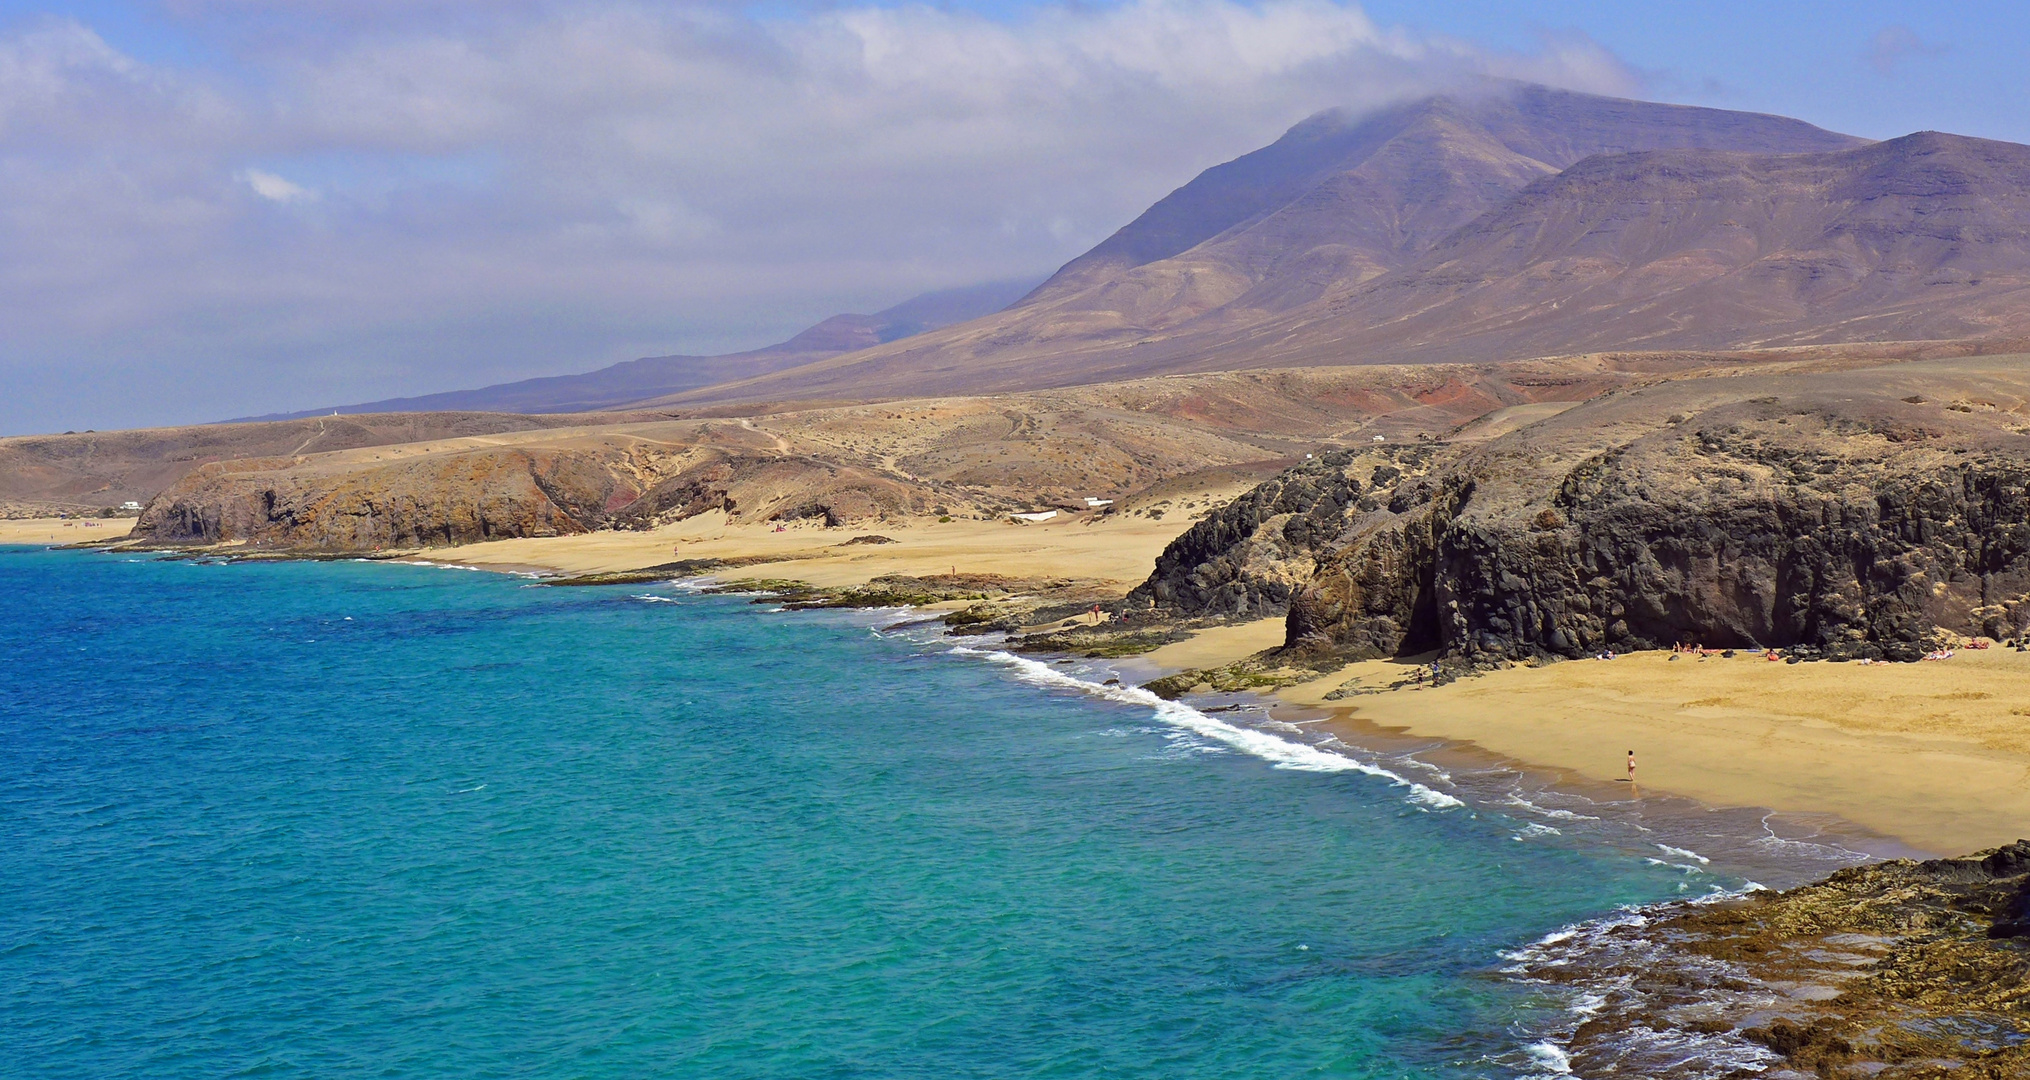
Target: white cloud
522,188
274,188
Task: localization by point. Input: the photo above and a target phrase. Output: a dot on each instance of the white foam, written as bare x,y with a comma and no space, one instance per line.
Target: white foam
1547,811
1282,753
1828,852
1684,854
1550,1057
438,565
650,598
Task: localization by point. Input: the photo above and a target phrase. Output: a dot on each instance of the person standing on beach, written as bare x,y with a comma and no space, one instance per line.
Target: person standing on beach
1631,766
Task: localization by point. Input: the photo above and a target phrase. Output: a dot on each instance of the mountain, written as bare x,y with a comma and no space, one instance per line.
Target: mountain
1525,222
654,376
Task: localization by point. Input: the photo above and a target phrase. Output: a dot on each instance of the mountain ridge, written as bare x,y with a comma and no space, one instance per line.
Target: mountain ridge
616,385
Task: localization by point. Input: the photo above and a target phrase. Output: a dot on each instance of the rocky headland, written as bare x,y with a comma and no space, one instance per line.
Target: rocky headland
1858,514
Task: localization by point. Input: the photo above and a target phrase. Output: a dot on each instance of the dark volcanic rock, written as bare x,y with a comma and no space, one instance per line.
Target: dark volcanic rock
1248,558
1862,513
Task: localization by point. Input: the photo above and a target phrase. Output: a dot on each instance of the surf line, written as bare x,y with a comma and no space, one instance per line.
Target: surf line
1281,753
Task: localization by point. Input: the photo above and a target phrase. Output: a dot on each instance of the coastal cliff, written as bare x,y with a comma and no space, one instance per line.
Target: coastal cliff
1851,514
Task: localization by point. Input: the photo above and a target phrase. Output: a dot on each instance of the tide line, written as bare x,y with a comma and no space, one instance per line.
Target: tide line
1282,753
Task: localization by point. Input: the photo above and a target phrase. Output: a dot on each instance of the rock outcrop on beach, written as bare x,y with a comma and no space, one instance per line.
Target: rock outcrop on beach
1858,514
1251,556
1897,970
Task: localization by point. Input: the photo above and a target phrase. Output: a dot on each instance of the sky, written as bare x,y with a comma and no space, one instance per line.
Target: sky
217,208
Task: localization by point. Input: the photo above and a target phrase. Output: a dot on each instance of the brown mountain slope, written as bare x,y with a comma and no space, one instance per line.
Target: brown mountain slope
1338,201
1385,186
1924,237
963,456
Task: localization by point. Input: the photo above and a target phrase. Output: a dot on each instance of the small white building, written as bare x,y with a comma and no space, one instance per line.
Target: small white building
1044,515
130,505
1094,504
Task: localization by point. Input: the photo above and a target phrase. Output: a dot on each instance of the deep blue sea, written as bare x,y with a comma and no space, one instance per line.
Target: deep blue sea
370,820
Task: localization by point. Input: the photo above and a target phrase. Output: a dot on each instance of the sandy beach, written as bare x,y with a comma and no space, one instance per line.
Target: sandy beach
1936,754
1113,549
62,530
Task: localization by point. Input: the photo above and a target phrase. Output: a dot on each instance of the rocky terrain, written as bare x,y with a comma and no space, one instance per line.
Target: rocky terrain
1151,445
85,472
1860,513
1898,970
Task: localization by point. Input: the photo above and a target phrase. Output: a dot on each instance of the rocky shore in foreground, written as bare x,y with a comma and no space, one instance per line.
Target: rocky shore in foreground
1901,970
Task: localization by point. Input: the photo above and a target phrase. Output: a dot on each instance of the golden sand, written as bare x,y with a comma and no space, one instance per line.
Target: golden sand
62,531
1113,549
1219,646
1936,754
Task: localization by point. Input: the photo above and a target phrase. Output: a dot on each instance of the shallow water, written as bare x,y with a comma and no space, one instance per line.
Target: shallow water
345,819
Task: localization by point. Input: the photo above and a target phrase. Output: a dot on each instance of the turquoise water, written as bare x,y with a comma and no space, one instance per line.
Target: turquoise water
349,820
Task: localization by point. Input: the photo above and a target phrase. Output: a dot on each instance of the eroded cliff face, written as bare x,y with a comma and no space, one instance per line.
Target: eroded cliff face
442,499
1247,559
1861,514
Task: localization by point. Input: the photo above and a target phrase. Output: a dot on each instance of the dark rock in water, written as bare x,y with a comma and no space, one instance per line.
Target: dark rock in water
1897,970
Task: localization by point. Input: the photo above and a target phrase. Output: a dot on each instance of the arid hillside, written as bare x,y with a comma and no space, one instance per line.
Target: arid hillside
1536,224
82,472
1137,442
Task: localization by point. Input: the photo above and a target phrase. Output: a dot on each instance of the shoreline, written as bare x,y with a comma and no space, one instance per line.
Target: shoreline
1934,756
1916,758
1361,730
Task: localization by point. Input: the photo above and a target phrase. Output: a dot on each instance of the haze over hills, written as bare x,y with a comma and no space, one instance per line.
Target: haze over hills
1525,222
655,376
